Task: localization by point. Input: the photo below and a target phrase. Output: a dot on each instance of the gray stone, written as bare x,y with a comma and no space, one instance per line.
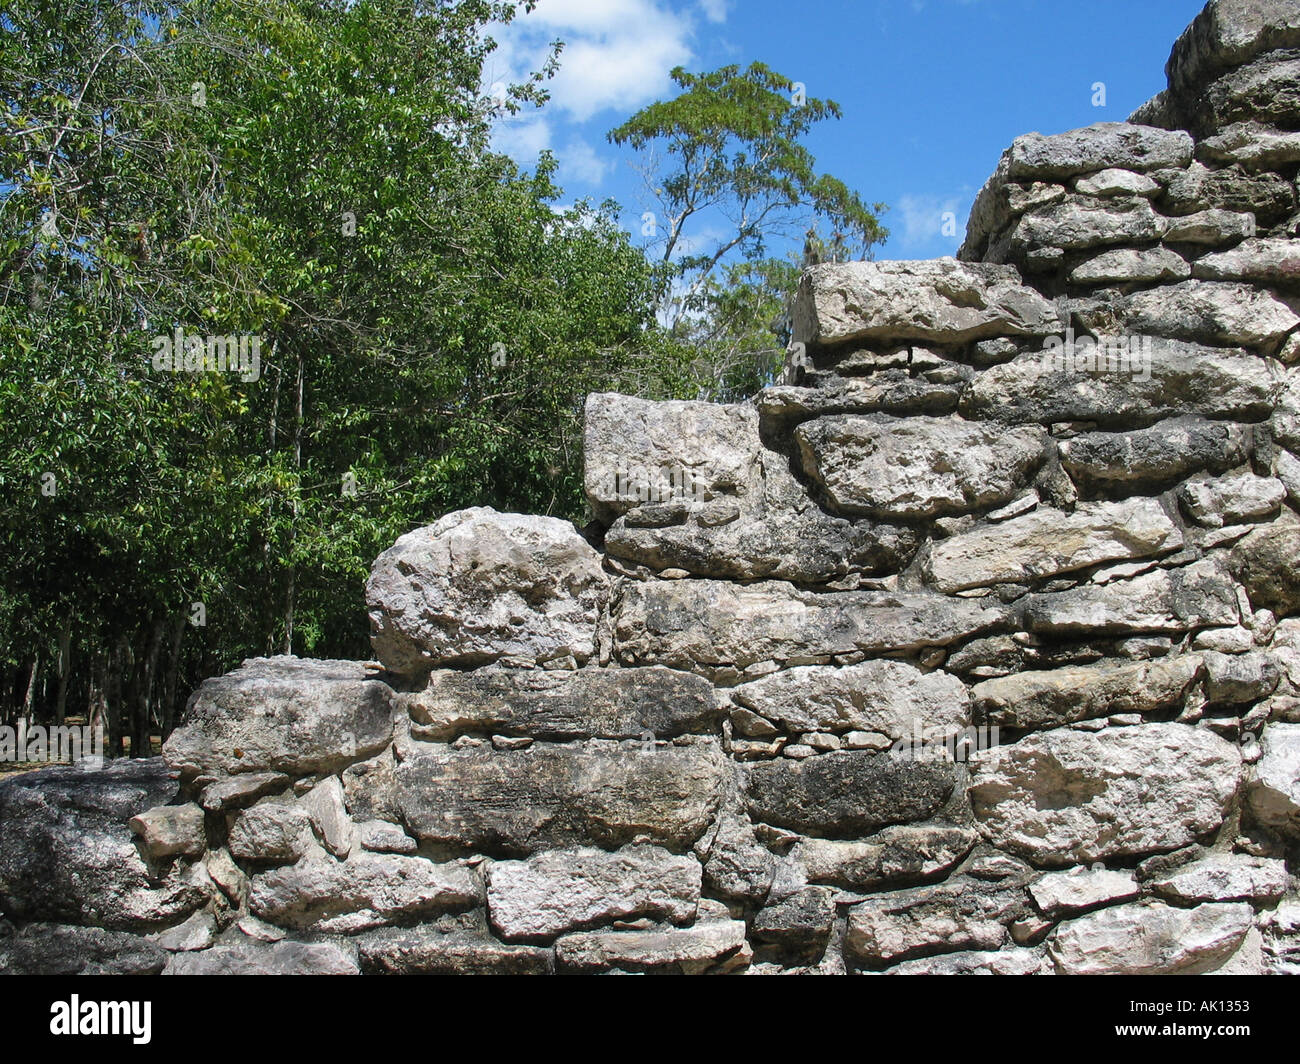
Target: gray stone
1264,261
171,830
1163,600
560,706
597,793
1269,197
1070,797
1267,89
429,950
329,817
1226,34
67,855
1150,939
250,957
975,962
891,698
1062,893
1273,785
1217,312
1078,223
897,856
1049,699
574,889
197,932
959,914
1213,227
1225,877
917,467
798,926
1267,562
709,946
61,949
1252,145
1129,265
1229,500
272,831
942,300
478,586
1176,379
282,714
236,792
1048,542
704,623
1237,678
379,836
1154,458
1101,146
846,792
367,890
1114,182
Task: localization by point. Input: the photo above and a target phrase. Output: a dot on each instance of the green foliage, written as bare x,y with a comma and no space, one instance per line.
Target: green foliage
731,144
315,177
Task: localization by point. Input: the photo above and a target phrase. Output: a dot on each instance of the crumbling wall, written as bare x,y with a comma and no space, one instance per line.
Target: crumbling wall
974,647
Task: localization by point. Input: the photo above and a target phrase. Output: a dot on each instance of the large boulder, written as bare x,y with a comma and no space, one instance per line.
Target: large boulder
1150,939
561,706
938,300
917,467
1069,797
68,856
706,623
1047,542
846,792
282,714
599,793
479,586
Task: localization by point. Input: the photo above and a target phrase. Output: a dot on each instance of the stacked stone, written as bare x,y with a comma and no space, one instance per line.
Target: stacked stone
975,647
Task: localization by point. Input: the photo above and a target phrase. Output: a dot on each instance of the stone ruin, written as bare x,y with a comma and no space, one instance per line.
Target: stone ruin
973,647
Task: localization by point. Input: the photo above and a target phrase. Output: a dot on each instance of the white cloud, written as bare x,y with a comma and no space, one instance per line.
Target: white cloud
579,162
522,137
923,220
715,10
617,53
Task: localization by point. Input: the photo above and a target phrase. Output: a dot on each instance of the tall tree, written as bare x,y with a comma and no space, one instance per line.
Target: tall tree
731,146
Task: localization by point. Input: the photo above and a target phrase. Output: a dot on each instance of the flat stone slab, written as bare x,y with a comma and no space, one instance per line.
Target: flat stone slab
1071,797
282,714
517,802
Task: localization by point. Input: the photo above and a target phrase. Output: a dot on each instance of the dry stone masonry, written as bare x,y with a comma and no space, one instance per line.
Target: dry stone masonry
972,647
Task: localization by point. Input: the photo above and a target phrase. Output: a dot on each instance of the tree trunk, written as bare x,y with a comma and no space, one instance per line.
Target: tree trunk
65,670
141,746
173,671
292,589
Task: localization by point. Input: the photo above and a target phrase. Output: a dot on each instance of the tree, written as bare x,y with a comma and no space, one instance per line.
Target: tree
730,144
314,174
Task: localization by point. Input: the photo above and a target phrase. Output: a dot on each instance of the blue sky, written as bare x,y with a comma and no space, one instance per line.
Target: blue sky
932,90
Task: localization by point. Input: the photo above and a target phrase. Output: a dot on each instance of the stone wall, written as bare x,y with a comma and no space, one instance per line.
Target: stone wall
973,647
